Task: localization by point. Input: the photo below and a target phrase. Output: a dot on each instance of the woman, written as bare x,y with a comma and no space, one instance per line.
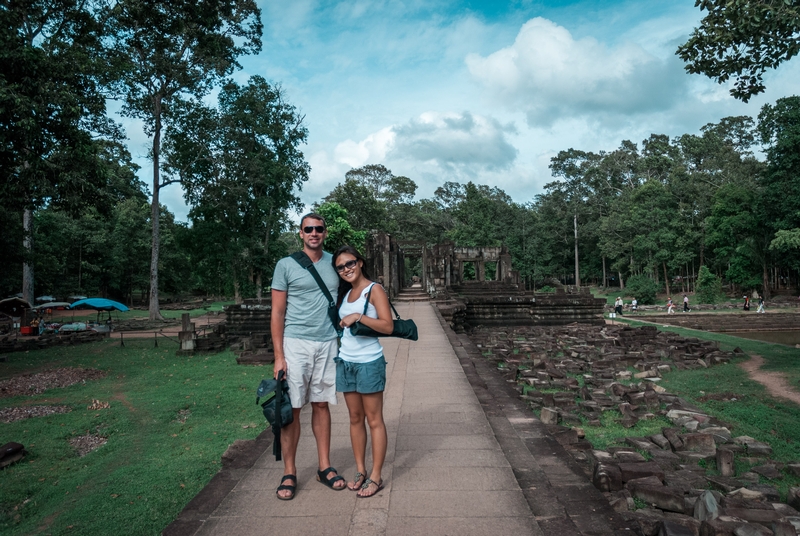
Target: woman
361,367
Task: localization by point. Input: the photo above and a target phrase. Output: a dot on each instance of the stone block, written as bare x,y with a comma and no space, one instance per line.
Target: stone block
753,515
646,481
698,443
793,468
642,443
672,436
724,483
783,528
793,498
621,501
719,527
649,520
785,510
720,433
725,462
629,471
706,508
671,528
752,529
682,519
768,471
770,492
661,497
549,416
748,494
624,456
607,477
660,440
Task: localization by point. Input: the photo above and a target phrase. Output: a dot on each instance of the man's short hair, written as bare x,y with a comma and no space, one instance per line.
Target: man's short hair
313,216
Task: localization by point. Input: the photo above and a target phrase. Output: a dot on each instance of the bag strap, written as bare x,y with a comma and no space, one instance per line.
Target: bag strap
387,297
305,261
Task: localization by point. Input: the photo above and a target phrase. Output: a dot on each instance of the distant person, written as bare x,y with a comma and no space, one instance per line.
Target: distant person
670,307
746,306
618,305
761,305
686,304
634,305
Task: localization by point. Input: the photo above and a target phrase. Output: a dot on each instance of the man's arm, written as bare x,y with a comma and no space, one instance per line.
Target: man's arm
276,325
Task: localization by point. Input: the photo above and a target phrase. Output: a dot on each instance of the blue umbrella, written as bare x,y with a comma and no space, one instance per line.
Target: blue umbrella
100,304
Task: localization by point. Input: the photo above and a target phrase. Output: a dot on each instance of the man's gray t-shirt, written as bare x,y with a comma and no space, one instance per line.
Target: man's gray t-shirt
306,306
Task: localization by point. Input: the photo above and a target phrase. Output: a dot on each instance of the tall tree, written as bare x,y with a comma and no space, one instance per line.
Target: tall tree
241,166
51,109
742,39
163,50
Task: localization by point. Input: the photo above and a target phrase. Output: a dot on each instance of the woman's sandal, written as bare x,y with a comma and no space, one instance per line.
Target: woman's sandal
358,481
322,476
367,483
287,487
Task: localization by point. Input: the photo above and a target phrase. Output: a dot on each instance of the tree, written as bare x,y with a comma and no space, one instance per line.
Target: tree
709,286
742,39
340,232
241,166
51,111
160,51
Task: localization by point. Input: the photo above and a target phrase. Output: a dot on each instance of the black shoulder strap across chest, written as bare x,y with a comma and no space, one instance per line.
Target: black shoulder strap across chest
305,261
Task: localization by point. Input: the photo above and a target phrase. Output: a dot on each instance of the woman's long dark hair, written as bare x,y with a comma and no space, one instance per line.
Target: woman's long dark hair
345,286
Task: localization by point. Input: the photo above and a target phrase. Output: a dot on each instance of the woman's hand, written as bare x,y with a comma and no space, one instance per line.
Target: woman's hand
350,319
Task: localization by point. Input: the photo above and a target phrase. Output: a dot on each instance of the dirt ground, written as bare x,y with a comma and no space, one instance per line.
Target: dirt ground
775,382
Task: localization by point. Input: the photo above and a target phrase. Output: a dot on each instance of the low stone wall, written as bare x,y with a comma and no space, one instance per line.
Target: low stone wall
666,470
24,344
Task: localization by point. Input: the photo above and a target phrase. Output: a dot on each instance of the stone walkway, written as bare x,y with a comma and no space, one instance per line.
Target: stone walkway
465,457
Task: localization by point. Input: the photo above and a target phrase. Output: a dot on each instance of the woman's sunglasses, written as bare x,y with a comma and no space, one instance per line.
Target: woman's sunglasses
349,265
318,228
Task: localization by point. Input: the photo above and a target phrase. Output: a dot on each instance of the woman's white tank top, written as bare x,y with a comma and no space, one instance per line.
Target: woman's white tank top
359,349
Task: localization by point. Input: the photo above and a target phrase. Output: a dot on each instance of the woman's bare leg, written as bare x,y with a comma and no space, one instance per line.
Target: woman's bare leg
373,408
358,433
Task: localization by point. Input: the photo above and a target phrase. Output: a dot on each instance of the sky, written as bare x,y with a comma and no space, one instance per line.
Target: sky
478,91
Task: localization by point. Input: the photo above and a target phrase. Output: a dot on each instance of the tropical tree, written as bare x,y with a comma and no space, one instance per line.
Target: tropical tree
741,39
161,51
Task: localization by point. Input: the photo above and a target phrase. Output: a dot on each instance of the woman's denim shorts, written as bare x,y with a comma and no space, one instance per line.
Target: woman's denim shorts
364,378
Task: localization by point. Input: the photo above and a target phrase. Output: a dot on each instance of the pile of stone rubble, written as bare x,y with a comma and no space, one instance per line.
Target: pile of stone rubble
620,368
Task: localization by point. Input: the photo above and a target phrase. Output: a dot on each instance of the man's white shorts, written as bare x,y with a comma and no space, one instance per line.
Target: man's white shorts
310,370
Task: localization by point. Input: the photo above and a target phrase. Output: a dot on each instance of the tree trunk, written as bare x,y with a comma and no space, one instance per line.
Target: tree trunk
621,282
27,264
577,271
666,278
237,294
604,272
154,309
765,281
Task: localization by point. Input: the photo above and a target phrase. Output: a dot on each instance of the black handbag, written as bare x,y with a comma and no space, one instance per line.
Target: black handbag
404,329
277,407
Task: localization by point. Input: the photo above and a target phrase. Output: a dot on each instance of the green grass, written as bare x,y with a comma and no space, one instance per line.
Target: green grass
152,464
612,432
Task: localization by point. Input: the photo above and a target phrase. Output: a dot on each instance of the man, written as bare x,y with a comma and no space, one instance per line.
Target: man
305,344
686,304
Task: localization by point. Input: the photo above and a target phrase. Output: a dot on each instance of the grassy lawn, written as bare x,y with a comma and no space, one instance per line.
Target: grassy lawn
152,464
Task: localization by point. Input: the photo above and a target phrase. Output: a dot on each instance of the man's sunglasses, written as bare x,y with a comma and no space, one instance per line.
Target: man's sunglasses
318,228
349,265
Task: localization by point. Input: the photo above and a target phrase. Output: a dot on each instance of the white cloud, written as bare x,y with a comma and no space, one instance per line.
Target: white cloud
456,140
550,75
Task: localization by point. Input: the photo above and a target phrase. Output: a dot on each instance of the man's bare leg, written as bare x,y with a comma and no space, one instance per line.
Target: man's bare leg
290,437
321,426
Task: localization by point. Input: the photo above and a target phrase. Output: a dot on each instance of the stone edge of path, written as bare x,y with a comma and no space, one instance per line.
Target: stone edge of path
560,495
237,460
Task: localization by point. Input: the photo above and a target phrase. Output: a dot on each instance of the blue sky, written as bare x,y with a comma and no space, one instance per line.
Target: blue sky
479,91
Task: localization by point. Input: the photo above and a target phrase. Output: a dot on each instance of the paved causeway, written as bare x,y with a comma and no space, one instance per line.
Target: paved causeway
465,457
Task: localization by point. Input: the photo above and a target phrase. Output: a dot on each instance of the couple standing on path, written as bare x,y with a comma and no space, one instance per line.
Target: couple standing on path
307,350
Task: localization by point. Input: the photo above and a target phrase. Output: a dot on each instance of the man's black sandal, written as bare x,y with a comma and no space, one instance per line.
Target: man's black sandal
322,476
287,487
